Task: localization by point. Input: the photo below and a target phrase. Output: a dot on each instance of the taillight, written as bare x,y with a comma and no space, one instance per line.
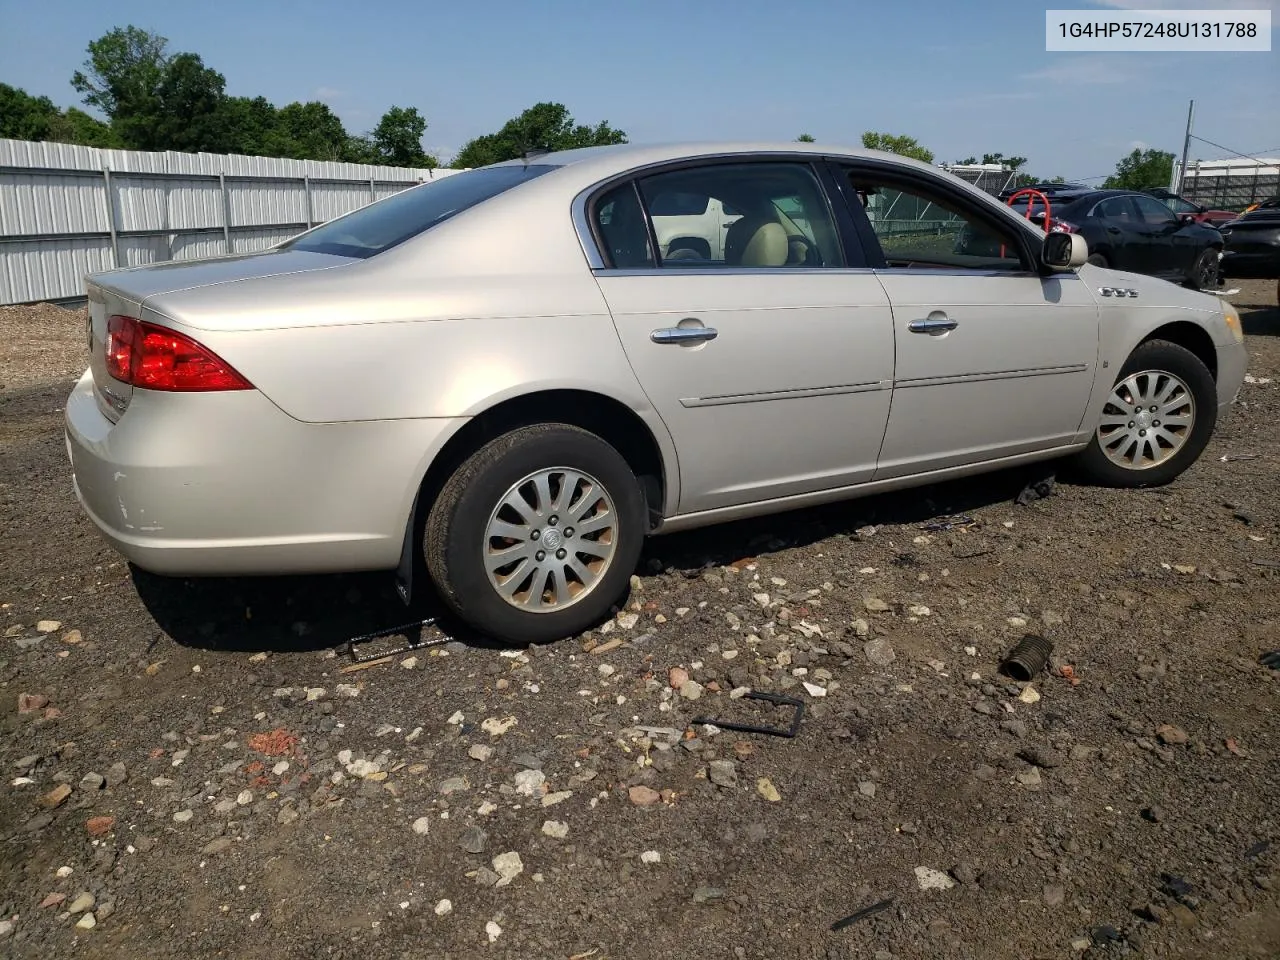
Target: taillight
1062,226
156,358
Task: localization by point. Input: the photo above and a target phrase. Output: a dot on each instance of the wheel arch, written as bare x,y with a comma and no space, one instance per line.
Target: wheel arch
1190,336
645,445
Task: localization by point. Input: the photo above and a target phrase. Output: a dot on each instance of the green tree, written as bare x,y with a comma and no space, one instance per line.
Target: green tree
545,126
250,125
1012,163
805,138
121,76
1142,170
75,126
902,145
190,114
309,131
24,117
397,139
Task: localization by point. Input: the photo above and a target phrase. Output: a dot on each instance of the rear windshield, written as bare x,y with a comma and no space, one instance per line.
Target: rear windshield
380,226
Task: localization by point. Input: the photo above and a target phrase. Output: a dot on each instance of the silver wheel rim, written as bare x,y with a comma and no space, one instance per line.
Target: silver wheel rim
1147,420
550,540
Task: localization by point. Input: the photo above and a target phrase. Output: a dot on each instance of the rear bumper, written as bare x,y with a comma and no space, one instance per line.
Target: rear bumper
228,484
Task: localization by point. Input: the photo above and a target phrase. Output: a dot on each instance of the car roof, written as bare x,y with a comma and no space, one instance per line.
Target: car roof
625,156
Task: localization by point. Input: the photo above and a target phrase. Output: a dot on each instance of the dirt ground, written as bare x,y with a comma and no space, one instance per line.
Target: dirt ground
188,772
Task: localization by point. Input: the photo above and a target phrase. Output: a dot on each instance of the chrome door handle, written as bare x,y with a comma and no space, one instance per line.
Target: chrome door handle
683,334
933,325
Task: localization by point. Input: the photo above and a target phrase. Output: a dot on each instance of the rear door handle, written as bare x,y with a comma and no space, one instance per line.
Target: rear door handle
933,325
683,334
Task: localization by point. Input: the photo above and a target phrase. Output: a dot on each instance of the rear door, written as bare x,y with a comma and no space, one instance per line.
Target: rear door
993,359
770,364
1126,243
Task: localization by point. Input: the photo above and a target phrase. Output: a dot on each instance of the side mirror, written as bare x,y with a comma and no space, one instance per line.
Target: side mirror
1064,251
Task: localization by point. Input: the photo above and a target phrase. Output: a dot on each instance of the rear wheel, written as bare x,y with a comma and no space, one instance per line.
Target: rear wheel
1157,420
535,536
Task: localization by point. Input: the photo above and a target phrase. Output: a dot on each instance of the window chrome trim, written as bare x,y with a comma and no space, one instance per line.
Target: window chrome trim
611,272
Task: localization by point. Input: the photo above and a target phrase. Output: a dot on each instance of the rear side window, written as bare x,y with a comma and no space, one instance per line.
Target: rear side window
380,226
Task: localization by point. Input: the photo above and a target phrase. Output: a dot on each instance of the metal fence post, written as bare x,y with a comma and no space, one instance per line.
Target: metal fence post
226,213
306,186
111,216
373,191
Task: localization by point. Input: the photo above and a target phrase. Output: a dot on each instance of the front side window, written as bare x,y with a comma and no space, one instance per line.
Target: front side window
755,215
380,226
921,227
1152,211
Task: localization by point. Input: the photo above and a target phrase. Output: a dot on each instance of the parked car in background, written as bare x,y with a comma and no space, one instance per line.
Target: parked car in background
1127,230
1253,244
1184,207
499,375
1262,204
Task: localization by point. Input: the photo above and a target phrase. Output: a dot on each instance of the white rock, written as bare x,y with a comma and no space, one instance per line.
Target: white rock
1017,621
930,879
486,808
280,768
65,872
6,928
651,856
507,866
244,798
919,610
444,907
422,826
48,626
971,651
606,670
528,782
480,752
1029,695
493,930
456,719
627,621
555,828
409,662
87,922
182,816
814,689
495,727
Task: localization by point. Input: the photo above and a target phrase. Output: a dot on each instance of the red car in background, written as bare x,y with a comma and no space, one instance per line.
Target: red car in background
1184,207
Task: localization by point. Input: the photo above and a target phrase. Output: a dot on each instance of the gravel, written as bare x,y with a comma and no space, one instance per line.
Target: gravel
223,788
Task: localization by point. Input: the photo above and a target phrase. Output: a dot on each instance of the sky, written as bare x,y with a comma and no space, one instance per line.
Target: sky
963,78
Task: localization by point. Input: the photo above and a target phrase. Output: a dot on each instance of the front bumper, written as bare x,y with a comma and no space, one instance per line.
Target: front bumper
1251,265
228,484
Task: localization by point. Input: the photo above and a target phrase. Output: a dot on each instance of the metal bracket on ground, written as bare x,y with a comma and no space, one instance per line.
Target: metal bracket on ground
775,698
409,646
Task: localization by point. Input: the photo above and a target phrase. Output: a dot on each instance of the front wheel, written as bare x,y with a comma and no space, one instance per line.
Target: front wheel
1157,420
535,536
1204,275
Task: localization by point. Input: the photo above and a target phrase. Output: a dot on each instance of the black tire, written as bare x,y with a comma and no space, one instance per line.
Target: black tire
1098,260
1159,356
1204,274
456,527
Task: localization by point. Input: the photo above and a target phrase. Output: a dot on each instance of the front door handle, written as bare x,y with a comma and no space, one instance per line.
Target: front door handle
684,334
934,325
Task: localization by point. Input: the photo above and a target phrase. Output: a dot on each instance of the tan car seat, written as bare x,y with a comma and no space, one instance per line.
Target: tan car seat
756,241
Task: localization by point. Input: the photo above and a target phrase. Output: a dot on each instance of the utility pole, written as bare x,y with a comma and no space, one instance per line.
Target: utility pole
1186,147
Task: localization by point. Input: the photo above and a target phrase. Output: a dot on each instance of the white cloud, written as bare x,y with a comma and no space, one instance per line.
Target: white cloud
328,93
1086,71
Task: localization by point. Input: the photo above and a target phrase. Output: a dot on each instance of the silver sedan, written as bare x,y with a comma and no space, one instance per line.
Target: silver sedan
510,377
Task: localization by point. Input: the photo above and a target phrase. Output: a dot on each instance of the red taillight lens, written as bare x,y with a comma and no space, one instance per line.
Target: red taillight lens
157,358
1061,226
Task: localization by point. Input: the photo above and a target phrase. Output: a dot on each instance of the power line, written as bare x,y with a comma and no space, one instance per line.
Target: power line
1242,156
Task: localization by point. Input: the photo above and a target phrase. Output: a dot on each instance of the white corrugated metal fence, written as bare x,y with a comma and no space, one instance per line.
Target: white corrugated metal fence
67,210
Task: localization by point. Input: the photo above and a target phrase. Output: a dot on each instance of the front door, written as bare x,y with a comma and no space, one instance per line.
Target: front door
771,364
993,359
